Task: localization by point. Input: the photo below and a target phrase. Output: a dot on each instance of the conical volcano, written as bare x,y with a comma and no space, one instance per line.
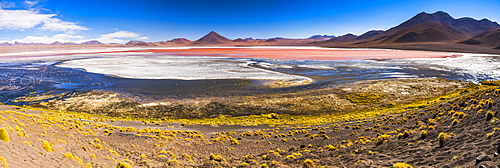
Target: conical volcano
212,38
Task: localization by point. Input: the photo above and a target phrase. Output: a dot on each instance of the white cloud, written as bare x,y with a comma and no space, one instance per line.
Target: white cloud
121,34
5,4
47,39
30,4
119,37
26,19
21,19
143,38
53,24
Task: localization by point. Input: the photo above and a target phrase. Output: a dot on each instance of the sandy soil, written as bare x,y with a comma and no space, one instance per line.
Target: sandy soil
468,122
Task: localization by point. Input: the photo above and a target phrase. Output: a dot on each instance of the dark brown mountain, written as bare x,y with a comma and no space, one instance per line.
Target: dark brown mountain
489,38
239,40
92,42
212,38
139,44
432,31
344,38
179,41
369,34
466,25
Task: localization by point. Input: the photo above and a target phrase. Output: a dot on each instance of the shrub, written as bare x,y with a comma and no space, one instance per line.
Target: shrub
187,157
442,138
69,155
46,145
489,135
308,163
174,163
423,134
244,164
123,165
3,162
290,157
454,122
406,134
331,147
489,115
492,121
4,135
402,165
264,166
234,142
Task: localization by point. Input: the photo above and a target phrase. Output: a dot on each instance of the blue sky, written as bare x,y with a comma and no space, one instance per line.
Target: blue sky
158,20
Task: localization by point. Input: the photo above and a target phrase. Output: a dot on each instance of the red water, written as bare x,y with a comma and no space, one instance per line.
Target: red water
295,54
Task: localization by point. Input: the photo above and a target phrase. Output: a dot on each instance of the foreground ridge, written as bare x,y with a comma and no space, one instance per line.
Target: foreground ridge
466,125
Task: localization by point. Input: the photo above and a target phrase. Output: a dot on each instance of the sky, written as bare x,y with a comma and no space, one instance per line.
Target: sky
119,21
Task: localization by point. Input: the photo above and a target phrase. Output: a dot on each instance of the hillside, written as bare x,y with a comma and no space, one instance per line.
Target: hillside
466,25
431,31
489,38
460,127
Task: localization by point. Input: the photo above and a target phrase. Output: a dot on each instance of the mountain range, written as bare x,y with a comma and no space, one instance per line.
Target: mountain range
425,31
436,31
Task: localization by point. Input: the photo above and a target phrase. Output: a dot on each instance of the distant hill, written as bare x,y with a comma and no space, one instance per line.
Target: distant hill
322,37
423,27
212,38
489,38
369,34
344,38
437,31
240,40
431,31
139,44
92,42
61,43
179,41
5,44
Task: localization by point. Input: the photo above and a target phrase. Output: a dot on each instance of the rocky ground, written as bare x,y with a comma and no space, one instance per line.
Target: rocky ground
454,130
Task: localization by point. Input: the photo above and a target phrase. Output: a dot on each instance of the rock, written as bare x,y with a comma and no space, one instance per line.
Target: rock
481,158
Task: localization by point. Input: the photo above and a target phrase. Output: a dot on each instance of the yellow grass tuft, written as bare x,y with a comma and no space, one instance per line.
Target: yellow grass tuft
442,138
4,135
69,155
402,165
423,134
489,115
308,163
123,165
46,145
174,163
3,162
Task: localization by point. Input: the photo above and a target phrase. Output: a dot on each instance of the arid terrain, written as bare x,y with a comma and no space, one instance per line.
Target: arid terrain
404,120
454,129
